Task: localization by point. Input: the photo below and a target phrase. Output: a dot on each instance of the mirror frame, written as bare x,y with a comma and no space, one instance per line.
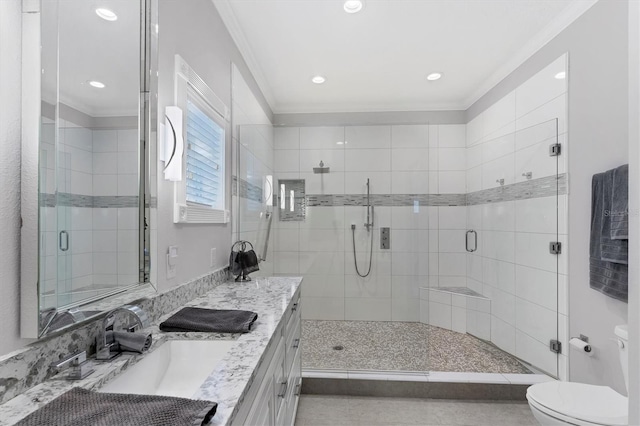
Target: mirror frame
29,179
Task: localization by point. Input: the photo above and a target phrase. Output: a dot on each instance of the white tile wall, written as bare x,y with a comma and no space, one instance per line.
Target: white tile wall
513,266
400,159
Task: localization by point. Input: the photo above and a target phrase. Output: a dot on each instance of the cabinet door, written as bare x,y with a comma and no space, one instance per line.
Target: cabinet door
280,377
295,382
262,410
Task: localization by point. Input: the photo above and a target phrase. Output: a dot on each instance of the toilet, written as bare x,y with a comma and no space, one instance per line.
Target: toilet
567,403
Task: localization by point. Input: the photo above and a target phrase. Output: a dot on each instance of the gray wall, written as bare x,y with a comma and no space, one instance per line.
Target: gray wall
598,140
10,104
198,34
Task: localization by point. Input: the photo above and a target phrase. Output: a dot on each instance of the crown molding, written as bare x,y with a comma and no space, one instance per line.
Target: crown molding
368,107
555,27
233,26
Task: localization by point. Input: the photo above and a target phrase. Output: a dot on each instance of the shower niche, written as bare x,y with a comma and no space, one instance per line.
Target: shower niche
291,200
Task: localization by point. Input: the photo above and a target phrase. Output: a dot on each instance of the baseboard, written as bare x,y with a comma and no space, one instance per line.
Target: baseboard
414,389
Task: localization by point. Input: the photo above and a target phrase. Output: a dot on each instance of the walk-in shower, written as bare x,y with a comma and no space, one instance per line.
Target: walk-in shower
436,298
369,227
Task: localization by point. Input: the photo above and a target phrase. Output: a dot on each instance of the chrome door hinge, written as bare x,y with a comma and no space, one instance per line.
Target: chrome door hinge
555,150
555,346
555,247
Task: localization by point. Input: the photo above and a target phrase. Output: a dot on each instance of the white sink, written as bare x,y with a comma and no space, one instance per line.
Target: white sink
176,368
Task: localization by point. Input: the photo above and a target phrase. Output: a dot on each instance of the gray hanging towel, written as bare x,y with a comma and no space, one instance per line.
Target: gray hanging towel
616,251
210,321
82,407
606,277
620,204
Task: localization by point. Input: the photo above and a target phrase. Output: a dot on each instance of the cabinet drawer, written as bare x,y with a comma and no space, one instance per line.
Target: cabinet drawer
293,313
293,343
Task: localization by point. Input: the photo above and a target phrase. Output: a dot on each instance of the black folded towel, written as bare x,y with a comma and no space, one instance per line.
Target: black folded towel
210,320
82,407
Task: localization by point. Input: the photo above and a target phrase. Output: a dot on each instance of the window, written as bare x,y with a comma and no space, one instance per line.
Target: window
200,196
205,156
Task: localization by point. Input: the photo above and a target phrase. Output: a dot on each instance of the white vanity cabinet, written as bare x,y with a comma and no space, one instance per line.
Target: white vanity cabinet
273,396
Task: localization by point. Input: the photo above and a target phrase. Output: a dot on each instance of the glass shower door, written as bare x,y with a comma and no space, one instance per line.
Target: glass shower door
540,238
514,217
63,220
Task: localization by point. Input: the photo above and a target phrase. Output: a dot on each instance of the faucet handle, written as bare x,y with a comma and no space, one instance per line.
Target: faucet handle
73,359
77,363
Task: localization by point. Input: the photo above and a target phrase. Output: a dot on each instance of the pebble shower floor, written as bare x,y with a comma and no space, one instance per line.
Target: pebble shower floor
399,346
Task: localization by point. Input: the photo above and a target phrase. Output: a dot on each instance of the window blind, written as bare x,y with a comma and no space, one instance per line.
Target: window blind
205,156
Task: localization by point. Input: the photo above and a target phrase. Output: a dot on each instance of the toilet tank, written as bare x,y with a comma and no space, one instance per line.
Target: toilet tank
622,334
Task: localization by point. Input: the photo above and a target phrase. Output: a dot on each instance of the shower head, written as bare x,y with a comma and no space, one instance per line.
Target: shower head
321,169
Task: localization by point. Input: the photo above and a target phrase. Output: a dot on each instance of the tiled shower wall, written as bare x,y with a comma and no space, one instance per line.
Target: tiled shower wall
404,163
95,178
513,267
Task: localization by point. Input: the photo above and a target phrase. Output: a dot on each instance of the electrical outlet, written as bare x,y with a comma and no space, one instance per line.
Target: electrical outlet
212,262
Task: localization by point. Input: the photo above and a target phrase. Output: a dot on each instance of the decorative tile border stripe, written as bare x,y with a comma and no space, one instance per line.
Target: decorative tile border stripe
387,200
65,199
247,189
115,201
535,188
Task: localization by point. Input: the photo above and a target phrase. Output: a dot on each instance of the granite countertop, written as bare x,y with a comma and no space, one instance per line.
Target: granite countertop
226,385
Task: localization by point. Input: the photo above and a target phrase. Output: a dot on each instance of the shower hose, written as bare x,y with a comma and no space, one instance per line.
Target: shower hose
355,258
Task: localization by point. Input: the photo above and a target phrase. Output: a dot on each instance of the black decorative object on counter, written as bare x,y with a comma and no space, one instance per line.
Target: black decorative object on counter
242,262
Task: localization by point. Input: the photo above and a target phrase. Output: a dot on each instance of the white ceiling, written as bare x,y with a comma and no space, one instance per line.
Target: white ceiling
378,59
79,46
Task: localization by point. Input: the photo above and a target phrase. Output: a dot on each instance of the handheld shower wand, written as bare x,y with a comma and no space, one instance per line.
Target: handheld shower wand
369,226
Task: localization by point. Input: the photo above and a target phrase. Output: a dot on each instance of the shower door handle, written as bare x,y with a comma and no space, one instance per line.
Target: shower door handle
475,241
63,240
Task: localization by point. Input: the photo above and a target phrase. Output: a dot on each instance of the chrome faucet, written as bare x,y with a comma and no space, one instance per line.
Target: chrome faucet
106,351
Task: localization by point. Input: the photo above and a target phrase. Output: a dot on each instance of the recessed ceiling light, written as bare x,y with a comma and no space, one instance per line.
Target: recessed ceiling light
106,14
96,84
561,75
353,6
318,79
434,76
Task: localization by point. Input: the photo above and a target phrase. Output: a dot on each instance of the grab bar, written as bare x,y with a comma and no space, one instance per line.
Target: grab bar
475,241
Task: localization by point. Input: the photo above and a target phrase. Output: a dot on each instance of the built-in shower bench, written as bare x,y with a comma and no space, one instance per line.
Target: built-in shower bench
459,309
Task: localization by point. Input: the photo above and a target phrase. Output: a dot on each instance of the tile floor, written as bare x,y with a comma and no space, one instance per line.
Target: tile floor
399,346
373,411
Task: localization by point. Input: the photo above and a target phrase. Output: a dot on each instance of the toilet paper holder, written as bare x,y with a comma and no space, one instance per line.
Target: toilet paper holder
587,348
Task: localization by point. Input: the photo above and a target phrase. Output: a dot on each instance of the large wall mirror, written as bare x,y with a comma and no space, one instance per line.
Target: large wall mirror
93,118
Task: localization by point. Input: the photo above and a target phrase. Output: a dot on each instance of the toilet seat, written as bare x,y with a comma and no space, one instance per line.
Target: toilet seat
579,403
